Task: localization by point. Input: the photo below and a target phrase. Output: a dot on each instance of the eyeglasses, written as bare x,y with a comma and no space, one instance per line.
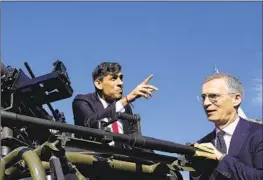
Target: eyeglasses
213,97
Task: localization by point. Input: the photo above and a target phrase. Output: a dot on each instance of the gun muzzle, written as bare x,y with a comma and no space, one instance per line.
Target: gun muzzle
3,69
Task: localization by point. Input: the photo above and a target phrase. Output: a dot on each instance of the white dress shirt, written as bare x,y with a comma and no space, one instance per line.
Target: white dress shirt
229,131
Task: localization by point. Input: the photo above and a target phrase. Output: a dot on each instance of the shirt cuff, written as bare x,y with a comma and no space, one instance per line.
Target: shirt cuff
119,107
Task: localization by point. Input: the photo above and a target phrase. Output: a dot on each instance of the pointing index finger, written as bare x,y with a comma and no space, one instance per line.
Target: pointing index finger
148,79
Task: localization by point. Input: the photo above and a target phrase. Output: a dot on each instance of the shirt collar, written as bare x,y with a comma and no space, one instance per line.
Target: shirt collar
230,128
104,103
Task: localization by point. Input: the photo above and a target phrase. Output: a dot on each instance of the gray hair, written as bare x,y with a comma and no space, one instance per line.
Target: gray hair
234,84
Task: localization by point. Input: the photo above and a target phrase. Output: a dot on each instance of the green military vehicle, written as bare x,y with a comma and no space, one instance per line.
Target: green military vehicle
39,145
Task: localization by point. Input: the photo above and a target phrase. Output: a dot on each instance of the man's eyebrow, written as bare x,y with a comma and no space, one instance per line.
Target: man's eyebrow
117,75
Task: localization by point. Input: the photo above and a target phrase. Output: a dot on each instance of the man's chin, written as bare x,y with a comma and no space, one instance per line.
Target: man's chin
212,119
119,96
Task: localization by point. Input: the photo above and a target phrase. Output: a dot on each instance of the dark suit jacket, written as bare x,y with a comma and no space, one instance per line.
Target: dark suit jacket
244,160
88,109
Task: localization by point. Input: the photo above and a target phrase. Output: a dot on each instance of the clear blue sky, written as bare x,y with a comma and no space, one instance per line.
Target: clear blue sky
178,42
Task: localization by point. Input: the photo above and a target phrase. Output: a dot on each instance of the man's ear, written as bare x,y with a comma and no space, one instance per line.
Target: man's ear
237,100
98,84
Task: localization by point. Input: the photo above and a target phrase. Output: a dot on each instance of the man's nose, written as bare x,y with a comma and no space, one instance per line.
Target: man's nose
119,82
206,101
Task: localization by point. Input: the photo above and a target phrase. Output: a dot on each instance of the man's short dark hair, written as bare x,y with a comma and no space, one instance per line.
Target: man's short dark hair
104,69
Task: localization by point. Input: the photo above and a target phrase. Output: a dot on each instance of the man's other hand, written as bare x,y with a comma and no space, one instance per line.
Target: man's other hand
210,148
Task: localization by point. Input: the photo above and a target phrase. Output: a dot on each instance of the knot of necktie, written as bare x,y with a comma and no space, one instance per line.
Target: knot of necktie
220,133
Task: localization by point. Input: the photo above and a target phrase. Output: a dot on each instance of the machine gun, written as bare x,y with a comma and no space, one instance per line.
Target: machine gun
30,149
24,95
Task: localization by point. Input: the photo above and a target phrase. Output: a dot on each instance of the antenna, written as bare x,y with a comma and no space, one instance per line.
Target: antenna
216,70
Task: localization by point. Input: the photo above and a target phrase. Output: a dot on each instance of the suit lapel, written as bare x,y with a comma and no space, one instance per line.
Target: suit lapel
209,138
213,137
239,137
97,103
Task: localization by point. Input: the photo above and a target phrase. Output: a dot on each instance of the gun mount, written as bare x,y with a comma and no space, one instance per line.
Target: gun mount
36,144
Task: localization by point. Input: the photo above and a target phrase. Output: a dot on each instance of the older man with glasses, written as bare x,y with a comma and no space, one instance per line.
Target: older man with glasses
237,144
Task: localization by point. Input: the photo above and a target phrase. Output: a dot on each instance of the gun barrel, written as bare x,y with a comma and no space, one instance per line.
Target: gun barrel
137,141
3,69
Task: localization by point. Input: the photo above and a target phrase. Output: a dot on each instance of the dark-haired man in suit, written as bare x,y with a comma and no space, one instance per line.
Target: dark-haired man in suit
108,99
237,143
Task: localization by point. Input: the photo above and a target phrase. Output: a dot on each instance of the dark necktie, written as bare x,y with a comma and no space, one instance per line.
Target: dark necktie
220,143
